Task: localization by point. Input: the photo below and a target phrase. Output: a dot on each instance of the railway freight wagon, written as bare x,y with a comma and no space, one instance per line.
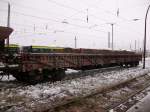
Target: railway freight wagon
36,67
35,64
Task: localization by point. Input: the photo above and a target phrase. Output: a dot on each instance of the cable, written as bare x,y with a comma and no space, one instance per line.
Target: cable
62,5
44,11
40,17
25,25
79,26
109,12
47,19
78,11
106,11
27,7
121,17
68,7
45,33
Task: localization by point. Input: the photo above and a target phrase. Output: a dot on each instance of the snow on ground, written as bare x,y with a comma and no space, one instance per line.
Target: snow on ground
7,78
147,63
142,105
68,71
80,86
46,95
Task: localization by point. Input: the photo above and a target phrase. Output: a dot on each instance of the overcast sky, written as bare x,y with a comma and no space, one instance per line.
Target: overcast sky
57,22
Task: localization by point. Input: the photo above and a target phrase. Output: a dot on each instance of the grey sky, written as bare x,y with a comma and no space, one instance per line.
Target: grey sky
57,22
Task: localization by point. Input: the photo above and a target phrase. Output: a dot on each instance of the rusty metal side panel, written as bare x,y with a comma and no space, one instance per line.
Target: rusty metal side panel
64,60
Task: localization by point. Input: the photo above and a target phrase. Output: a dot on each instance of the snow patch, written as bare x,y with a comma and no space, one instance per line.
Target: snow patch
7,78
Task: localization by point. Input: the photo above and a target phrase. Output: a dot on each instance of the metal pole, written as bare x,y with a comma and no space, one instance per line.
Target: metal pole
144,53
8,22
108,39
135,45
130,47
87,18
112,36
75,42
112,44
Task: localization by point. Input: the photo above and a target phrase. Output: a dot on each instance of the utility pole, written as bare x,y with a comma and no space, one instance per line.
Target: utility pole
75,40
46,27
112,36
130,47
145,32
8,23
138,45
87,18
135,45
109,40
112,27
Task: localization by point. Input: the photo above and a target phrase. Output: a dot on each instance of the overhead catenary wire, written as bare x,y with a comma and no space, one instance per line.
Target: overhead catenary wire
66,17
50,19
119,16
47,19
60,31
77,10
28,7
79,26
67,7
106,11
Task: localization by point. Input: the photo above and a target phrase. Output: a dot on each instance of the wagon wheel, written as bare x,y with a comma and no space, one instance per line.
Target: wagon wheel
34,77
53,75
58,75
17,75
31,77
47,74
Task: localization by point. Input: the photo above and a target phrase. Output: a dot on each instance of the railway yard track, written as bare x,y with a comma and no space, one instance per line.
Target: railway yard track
106,100
46,86
118,95
69,76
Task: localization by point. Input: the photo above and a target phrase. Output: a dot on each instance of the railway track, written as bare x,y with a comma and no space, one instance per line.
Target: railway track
11,84
103,98
125,104
66,102
69,76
